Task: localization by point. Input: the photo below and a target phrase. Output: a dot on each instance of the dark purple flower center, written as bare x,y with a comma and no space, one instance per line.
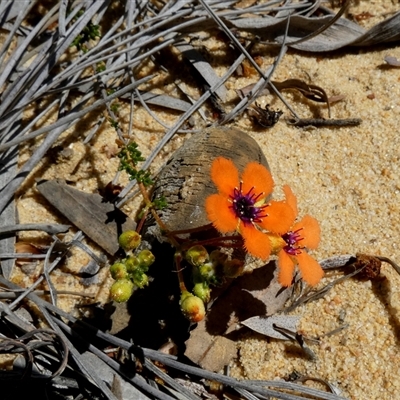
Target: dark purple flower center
292,240
244,206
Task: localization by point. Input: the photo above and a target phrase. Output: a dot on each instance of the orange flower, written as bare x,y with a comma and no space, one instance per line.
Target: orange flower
241,205
303,234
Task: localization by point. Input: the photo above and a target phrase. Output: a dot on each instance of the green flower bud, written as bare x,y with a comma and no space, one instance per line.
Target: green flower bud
184,296
121,290
140,279
129,240
202,291
132,264
207,271
118,271
233,268
197,255
192,307
145,259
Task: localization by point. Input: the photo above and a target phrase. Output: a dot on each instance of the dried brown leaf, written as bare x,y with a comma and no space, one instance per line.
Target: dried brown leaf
257,293
25,247
310,91
210,352
335,99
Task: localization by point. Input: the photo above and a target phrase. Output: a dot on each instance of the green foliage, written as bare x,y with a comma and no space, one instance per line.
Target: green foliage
89,32
131,153
114,107
114,123
130,156
100,67
144,177
160,203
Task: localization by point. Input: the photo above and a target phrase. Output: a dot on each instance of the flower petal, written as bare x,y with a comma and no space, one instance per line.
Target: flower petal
257,176
310,232
280,217
219,213
225,175
286,269
290,198
255,242
311,271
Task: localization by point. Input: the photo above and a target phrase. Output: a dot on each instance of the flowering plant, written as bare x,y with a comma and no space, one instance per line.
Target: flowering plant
267,227
242,207
291,246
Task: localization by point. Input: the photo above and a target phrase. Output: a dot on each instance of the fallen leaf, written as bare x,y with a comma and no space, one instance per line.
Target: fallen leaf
119,318
25,247
342,33
210,352
257,293
335,99
308,90
99,220
265,324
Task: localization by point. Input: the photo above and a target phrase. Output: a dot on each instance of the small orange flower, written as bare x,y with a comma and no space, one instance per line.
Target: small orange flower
303,234
241,205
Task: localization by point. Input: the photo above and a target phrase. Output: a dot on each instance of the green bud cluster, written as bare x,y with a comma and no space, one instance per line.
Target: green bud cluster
208,269
130,271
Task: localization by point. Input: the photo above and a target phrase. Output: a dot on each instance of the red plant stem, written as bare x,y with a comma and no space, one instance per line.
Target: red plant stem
191,230
178,259
142,221
166,231
234,241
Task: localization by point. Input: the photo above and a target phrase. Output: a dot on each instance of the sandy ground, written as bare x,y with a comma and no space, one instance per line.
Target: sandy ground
347,178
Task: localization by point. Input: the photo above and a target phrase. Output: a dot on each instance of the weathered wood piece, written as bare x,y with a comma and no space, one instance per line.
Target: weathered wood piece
185,181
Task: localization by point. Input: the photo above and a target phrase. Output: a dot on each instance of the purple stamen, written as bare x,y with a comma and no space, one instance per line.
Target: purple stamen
244,207
292,239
